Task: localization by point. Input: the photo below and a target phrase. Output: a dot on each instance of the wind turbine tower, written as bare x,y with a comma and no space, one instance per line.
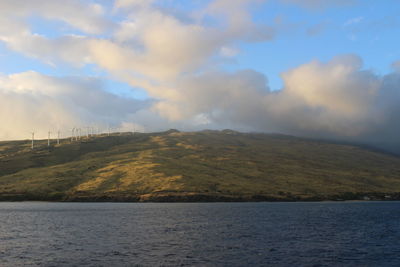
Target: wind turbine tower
58,137
33,138
48,138
72,135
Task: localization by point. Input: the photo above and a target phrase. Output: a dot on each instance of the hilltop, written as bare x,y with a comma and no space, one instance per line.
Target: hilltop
195,166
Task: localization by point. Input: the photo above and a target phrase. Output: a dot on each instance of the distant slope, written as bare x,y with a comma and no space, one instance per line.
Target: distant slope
207,165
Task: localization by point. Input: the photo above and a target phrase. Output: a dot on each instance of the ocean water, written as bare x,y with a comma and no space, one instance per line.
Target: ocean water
200,234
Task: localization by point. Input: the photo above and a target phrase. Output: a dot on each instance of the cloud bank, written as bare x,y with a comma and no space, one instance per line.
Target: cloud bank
31,101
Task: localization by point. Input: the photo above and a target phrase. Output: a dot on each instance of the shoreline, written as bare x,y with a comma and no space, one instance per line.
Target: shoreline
201,198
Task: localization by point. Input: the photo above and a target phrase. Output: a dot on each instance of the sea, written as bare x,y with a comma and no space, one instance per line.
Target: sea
364,233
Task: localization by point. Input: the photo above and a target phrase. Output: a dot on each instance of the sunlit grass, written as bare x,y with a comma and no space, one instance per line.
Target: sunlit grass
207,163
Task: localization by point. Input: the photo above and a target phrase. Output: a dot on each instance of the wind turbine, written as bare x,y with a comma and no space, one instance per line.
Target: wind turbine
48,138
76,133
73,134
33,138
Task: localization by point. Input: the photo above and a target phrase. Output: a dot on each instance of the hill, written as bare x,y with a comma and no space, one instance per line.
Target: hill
197,166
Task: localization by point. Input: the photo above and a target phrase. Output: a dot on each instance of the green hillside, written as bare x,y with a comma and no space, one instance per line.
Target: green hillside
199,166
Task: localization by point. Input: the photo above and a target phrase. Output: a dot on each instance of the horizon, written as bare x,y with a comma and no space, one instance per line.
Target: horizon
311,68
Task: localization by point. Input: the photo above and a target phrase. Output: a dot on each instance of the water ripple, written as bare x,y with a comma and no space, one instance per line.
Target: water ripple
200,234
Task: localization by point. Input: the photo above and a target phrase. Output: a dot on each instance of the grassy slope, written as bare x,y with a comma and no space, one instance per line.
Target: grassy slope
188,165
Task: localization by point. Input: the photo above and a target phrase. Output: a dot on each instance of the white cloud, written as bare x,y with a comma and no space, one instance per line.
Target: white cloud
83,16
227,51
133,3
150,44
34,102
352,21
336,99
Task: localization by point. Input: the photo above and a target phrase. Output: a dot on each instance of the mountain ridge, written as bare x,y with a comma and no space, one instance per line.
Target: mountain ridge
196,166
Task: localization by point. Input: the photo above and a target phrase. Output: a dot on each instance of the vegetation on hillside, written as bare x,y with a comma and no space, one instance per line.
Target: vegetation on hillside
198,166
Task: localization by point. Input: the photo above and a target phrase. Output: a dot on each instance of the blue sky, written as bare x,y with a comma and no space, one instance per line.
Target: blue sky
368,28
159,64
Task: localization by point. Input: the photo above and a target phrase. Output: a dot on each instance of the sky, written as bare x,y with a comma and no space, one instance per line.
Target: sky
313,68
